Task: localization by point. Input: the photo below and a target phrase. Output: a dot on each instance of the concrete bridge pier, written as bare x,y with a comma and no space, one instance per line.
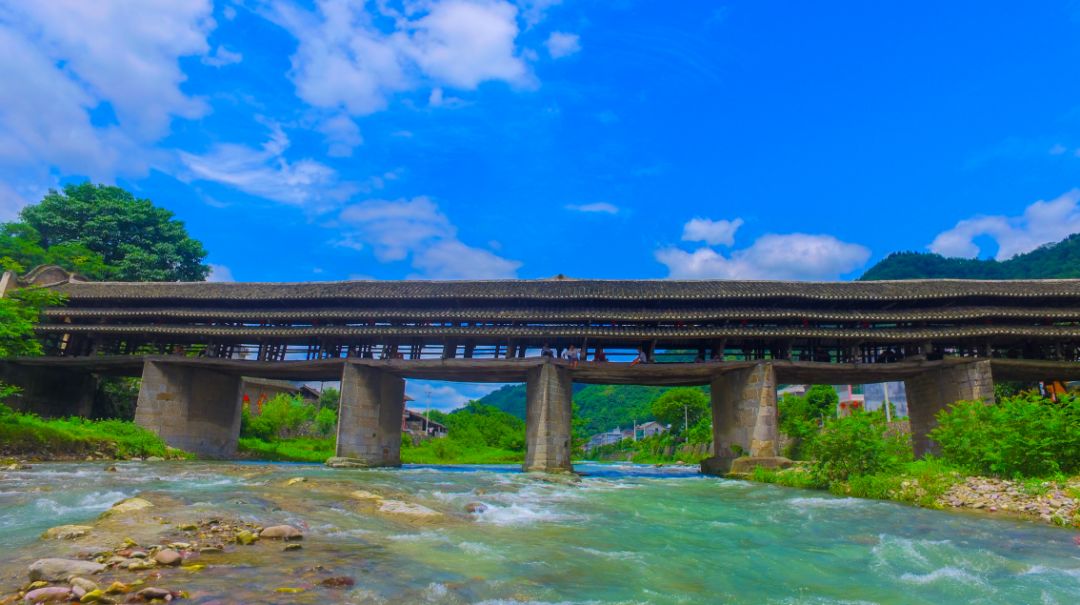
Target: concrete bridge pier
50,392
934,390
548,416
744,418
194,409
369,416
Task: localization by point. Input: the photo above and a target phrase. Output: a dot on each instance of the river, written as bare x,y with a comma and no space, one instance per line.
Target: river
623,534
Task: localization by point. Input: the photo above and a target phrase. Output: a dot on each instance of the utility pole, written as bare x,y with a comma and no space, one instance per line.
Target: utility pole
427,406
685,420
888,413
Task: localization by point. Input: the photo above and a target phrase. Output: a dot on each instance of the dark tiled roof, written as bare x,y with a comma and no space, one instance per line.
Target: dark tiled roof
435,334
571,290
557,313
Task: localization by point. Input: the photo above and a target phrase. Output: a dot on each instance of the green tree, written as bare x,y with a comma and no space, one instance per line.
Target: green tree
19,311
821,400
681,404
329,398
103,232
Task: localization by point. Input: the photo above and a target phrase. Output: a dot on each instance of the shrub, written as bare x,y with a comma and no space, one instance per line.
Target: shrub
326,421
281,416
857,445
1022,436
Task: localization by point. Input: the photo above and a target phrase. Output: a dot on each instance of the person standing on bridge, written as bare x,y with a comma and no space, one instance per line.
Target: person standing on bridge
572,355
546,351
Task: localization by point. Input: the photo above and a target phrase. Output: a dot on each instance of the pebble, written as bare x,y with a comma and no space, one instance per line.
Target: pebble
59,570
150,593
281,532
110,469
66,532
83,583
48,594
245,537
211,550
338,582
293,546
168,556
475,507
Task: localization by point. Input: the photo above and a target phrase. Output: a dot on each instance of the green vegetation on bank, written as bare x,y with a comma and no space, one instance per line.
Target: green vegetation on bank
1060,260
686,411
27,435
1023,438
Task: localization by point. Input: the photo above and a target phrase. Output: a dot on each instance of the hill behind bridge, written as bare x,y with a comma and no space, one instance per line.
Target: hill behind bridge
1051,261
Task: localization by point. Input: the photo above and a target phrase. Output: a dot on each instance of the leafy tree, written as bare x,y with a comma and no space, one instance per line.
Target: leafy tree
857,444
103,232
821,401
679,404
329,398
1058,260
19,311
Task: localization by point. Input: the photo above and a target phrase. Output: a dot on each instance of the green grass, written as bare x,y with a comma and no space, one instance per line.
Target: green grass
28,435
298,449
435,451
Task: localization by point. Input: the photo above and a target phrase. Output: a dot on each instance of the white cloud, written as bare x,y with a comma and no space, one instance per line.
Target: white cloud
416,229
438,99
66,59
1058,149
595,208
265,172
342,135
794,256
222,57
562,44
465,42
1041,223
219,273
451,259
535,11
711,232
443,396
344,60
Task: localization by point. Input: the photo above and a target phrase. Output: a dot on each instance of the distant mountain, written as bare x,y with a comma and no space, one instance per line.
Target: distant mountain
1060,260
599,407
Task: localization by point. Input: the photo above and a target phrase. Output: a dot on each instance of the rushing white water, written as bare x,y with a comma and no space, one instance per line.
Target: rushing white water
624,534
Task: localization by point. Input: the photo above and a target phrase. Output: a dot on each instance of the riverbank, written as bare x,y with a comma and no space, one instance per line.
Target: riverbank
931,484
30,437
431,451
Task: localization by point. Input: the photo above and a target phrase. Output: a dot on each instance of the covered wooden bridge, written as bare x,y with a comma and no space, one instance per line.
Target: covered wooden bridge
192,341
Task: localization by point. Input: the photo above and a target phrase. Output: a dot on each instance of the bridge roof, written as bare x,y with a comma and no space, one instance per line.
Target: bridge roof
565,290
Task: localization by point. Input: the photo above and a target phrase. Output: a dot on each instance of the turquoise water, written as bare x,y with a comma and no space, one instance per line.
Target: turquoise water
624,534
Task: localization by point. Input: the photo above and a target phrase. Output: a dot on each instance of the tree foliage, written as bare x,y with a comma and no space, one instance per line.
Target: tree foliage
1026,435
19,311
104,233
1059,260
858,444
679,406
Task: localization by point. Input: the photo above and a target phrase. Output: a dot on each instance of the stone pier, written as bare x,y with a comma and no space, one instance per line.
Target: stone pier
50,392
744,418
369,416
548,419
934,390
191,408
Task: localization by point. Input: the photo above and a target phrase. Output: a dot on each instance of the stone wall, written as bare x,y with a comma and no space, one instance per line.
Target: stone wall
194,409
936,389
548,419
744,414
369,416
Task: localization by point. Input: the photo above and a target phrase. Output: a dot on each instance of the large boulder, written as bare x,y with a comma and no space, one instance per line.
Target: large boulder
129,505
342,462
59,570
281,532
66,532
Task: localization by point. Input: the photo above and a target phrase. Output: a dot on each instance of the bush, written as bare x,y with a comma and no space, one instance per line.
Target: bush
679,406
326,421
281,416
857,445
799,421
1022,436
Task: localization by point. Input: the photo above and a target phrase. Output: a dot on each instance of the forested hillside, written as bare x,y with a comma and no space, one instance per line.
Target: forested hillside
1060,260
599,407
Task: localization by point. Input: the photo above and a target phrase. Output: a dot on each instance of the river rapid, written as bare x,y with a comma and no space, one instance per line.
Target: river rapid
622,534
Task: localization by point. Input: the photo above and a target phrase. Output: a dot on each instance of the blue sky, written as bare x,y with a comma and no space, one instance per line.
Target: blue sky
305,140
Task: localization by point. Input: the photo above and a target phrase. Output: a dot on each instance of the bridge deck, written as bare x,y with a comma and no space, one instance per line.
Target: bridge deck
515,370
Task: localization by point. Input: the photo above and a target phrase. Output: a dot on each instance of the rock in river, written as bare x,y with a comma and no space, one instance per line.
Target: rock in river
129,505
341,462
59,570
408,509
168,556
48,594
66,532
281,532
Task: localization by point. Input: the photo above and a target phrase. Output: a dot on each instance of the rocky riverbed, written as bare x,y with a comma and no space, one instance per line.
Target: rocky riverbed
1056,503
215,533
